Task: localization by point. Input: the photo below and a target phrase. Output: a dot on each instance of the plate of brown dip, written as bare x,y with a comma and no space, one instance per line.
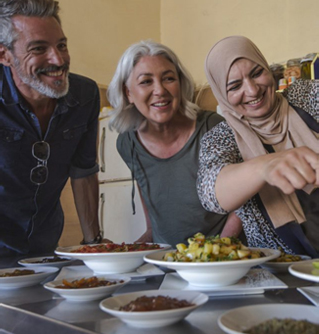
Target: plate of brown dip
19,277
48,261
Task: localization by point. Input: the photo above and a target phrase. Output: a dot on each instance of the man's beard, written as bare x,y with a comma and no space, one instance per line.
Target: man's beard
41,87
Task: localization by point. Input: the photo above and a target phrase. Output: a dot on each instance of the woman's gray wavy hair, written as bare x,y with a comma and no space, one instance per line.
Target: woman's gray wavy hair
125,116
10,8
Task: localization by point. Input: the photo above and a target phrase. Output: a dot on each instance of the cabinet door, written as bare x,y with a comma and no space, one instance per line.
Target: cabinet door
72,232
111,164
119,223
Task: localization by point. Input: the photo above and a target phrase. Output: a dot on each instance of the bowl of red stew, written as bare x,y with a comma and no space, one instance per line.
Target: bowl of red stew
112,258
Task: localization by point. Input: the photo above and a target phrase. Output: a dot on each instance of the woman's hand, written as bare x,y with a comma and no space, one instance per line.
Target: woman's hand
292,169
288,170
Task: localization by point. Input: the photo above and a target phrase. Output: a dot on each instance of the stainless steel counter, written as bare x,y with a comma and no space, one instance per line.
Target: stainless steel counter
51,314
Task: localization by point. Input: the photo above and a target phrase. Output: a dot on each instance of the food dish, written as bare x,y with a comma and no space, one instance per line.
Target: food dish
212,249
33,262
117,247
304,270
211,274
87,294
13,282
109,263
154,318
281,267
236,321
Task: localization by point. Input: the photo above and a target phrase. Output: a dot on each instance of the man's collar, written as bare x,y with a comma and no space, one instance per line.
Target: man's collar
8,91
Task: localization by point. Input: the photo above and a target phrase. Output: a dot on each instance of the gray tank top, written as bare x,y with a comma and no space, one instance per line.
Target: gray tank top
168,186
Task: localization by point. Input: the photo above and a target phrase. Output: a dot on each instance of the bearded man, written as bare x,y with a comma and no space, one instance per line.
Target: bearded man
48,131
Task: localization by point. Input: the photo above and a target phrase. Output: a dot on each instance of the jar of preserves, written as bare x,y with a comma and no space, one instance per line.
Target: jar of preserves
283,84
293,69
306,65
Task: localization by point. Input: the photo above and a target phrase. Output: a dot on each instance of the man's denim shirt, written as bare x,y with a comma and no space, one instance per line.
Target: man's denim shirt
31,217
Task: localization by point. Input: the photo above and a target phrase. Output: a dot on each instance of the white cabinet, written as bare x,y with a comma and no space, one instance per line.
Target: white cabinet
116,217
111,164
116,213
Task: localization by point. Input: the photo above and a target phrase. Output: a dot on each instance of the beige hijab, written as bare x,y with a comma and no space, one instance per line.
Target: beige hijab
282,128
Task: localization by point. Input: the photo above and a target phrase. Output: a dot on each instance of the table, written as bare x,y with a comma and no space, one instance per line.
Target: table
47,314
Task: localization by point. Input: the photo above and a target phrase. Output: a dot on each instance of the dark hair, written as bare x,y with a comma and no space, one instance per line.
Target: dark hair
10,8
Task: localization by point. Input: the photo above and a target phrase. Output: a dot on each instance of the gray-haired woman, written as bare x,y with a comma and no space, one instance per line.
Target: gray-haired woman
160,131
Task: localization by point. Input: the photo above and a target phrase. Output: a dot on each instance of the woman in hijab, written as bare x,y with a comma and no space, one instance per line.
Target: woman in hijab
263,160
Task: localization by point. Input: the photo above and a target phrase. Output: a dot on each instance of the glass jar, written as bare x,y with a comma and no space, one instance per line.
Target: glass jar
306,65
293,70
283,84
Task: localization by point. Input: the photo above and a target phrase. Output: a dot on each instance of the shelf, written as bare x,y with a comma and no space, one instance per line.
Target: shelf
104,100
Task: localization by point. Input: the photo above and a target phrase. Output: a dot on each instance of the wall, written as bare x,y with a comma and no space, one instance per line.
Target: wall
281,29
100,30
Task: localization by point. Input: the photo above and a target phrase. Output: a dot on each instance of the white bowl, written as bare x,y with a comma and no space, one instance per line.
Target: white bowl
87,294
33,262
152,318
282,267
13,282
304,270
109,263
212,274
240,319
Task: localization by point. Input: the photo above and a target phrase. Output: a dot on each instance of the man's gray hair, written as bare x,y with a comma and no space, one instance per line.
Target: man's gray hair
125,116
35,8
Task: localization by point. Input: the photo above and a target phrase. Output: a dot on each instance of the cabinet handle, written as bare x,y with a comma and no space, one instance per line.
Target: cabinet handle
102,202
102,150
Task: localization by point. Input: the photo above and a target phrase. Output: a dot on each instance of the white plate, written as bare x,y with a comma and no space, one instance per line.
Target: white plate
282,267
153,318
13,282
238,320
212,274
145,271
256,281
87,294
303,270
33,262
312,293
109,263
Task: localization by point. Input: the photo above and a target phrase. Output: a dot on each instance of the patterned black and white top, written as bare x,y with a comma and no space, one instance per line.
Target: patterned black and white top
219,149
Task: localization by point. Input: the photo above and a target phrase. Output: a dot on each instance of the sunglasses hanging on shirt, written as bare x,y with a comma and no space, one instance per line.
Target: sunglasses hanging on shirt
41,151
